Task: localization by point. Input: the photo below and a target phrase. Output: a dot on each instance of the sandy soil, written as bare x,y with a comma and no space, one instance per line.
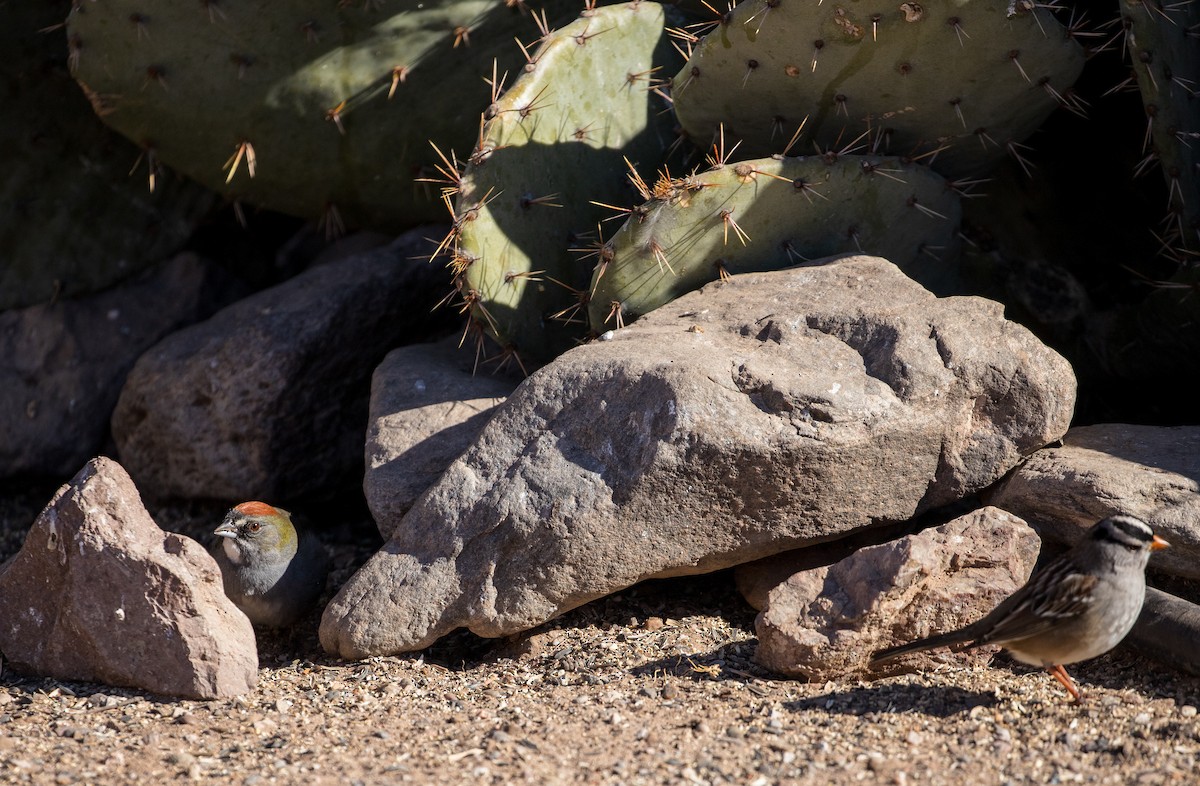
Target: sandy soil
654,685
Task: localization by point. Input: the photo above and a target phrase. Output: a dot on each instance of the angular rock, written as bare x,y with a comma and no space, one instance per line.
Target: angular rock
427,407
62,364
757,415
1151,472
99,593
268,398
826,622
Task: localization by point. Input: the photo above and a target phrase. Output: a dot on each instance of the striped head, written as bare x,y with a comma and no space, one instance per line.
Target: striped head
255,531
1131,534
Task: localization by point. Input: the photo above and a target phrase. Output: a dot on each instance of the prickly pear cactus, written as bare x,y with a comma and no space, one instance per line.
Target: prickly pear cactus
774,213
1164,47
969,78
316,108
73,220
554,144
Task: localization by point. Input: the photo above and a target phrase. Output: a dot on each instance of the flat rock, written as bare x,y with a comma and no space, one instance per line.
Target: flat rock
268,398
427,406
99,593
756,415
1152,472
826,622
1168,630
62,364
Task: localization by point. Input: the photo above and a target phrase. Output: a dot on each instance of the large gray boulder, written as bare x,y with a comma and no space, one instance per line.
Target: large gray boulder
268,398
427,406
756,415
62,364
99,593
1151,472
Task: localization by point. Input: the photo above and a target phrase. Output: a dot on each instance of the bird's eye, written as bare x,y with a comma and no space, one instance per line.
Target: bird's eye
254,526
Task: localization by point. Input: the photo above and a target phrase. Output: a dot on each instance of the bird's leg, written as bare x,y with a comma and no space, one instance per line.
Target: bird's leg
1065,680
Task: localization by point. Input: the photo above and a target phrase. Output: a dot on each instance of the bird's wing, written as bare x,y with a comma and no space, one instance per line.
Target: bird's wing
1058,593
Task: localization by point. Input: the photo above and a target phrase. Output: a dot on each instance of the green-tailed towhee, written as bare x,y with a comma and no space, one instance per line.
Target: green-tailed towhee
271,572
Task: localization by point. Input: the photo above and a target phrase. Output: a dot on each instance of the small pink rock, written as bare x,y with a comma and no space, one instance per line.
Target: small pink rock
826,622
99,593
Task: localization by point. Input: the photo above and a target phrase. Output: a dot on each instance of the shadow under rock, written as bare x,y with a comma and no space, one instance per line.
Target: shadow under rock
711,594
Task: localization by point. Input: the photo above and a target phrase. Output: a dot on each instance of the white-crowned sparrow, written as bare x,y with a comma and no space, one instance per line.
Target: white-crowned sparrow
271,572
1079,606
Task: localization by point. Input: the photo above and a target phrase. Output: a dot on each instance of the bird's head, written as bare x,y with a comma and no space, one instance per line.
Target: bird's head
1130,533
255,530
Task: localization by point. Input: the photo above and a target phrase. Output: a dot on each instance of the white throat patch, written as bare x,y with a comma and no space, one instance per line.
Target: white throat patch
232,551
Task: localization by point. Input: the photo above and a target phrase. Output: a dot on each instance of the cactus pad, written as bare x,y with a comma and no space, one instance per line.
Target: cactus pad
1163,45
774,213
553,144
74,220
971,76
316,108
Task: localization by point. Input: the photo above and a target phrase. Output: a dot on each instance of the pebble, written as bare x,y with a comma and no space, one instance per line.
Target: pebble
182,759
1187,711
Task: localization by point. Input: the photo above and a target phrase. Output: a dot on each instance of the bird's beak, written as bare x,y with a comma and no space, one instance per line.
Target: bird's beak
227,530
1158,544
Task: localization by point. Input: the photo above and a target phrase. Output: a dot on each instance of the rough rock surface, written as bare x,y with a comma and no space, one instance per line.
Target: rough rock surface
826,622
99,593
268,398
427,407
62,364
754,416
755,580
1151,472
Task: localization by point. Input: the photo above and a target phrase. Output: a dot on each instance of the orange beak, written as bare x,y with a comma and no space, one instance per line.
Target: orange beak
1158,544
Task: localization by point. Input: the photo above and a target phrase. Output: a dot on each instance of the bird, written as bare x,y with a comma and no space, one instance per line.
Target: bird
1077,607
270,571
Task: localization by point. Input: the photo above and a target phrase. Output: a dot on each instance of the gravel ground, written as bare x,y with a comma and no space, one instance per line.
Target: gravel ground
653,685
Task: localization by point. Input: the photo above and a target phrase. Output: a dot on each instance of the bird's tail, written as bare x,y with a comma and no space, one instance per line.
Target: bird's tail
957,639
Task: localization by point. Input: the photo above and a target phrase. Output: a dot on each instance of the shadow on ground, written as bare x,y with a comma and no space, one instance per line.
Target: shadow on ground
933,701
